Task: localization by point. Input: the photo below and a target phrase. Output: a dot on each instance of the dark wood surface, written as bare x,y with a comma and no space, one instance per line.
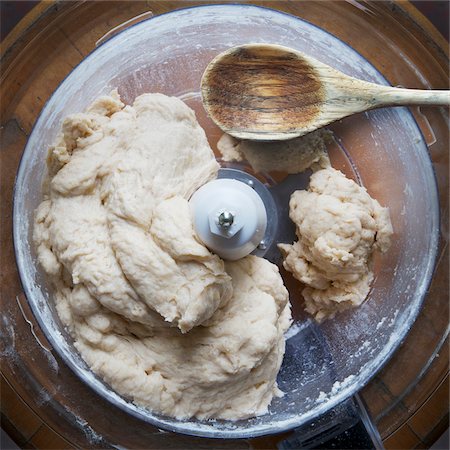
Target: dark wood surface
408,414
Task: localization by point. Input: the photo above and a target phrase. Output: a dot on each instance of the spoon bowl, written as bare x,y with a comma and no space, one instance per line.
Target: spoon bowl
271,92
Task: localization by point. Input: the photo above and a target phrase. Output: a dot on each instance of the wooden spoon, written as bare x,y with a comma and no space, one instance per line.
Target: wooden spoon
270,92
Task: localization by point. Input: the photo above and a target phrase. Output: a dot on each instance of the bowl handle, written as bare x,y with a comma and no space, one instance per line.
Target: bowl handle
122,26
348,426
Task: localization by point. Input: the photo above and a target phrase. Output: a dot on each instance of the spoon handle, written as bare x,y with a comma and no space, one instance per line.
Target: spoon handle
347,95
389,96
363,95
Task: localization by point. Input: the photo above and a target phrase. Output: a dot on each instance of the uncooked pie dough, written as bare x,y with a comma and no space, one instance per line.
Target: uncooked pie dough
293,156
160,318
338,224
338,227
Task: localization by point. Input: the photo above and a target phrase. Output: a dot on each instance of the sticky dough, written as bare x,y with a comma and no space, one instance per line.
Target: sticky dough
338,224
338,228
293,156
161,319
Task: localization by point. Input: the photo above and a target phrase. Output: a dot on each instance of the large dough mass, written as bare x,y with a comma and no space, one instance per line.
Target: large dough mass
152,311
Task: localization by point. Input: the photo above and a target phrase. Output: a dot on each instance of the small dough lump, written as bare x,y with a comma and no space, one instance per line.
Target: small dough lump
338,227
293,156
160,318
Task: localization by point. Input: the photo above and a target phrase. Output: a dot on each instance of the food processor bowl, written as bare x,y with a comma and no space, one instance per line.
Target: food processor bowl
384,150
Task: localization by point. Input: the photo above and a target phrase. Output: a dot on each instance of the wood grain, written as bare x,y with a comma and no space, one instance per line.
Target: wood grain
259,90
270,92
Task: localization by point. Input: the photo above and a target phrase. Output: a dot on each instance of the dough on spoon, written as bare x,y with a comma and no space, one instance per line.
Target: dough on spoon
154,313
338,227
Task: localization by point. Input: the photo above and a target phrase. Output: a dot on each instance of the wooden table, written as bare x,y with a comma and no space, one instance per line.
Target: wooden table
408,398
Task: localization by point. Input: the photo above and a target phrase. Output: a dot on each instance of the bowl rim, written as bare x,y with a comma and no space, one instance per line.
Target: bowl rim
202,429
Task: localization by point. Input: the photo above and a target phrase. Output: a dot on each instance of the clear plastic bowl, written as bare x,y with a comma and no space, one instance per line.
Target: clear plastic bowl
382,149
